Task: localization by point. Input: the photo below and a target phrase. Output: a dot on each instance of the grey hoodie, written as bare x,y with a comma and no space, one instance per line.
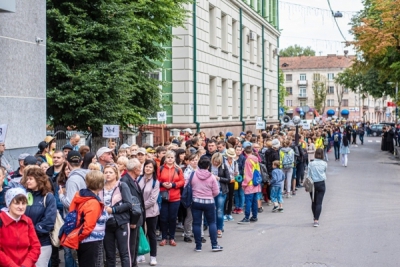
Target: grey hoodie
75,182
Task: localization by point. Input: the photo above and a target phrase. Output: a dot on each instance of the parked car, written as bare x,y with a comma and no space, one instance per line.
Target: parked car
376,129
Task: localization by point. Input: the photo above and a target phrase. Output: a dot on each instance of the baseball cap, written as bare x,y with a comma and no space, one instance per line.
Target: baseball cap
124,146
242,133
246,144
150,150
42,145
229,134
30,160
68,146
103,150
74,157
142,150
23,156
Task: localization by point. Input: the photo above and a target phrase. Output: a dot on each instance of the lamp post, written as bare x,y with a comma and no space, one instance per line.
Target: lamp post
296,121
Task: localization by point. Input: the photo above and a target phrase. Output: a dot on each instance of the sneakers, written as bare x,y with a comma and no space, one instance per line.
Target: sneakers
316,224
203,240
252,219
187,239
219,234
269,203
197,249
293,193
260,209
141,259
234,211
230,218
240,211
225,218
244,221
280,210
153,261
217,248
275,209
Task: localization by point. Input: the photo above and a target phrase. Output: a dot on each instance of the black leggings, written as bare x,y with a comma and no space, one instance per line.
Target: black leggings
151,233
119,235
316,206
229,200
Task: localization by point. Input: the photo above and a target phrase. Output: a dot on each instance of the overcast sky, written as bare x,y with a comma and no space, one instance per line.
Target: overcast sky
310,23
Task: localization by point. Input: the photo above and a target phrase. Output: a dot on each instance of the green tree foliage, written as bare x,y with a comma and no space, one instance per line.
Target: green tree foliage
282,90
100,54
296,50
320,89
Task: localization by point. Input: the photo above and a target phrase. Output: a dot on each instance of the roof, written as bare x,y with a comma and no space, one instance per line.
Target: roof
316,62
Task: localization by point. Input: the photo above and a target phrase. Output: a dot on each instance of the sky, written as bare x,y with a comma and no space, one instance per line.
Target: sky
310,23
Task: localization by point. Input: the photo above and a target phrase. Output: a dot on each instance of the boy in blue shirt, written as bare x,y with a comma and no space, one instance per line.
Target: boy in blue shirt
276,182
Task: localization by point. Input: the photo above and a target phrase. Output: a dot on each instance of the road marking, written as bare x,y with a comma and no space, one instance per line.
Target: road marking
369,141
377,141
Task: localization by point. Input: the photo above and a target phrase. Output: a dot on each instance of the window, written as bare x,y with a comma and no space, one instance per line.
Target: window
303,77
259,50
259,102
289,103
316,76
289,90
270,102
302,91
265,54
213,25
345,90
235,36
330,103
245,44
251,44
303,103
289,77
235,99
331,90
252,101
213,96
345,102
224,32
225,99
331,76
270,56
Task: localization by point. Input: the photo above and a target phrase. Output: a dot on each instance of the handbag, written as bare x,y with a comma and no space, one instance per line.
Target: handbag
187,193
55,240
144,246
164,195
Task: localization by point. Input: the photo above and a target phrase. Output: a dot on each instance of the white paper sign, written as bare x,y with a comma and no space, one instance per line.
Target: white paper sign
259,118
162,116
260,125
306,126
110,131
3,131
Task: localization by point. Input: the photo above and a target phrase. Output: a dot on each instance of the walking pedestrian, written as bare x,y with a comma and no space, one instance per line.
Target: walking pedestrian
317,172
337,139
276,191
345,149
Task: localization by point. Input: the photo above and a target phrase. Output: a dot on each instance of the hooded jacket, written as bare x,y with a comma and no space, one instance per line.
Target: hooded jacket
248,187
173,175
21,232
75,182
204,185
88,207
43,215
277,177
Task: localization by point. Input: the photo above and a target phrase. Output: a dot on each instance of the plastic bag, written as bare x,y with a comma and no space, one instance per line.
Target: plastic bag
144,246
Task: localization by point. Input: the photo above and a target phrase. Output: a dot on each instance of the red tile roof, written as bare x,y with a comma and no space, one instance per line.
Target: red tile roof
316,62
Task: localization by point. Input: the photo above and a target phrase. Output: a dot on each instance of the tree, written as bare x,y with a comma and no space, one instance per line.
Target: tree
282,90
320,88
100,57
339,92
296,50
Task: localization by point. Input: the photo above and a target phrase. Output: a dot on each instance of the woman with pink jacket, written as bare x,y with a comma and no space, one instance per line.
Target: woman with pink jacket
205,187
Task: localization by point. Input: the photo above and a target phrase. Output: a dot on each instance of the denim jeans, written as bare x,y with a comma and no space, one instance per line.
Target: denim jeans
219,210
239,197
251,204
209,214
68,258
276,194
361,136
168,214
336,145
326,154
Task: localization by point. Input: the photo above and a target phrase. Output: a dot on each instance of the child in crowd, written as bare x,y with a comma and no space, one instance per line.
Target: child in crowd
276,182
122,152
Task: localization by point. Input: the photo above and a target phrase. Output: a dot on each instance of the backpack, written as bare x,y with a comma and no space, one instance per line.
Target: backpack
264,173
257,178
287,161
336,138
326,141
71,223
55,240
187,193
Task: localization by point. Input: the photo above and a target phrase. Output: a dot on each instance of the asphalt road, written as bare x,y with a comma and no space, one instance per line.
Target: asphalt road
359,224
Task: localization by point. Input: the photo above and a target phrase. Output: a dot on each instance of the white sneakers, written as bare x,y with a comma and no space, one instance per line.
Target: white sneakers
153,261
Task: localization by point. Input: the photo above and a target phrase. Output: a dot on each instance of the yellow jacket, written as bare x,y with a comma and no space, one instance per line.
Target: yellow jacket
319,143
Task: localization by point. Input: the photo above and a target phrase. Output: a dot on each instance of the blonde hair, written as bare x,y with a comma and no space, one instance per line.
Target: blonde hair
123,160
115,169
217,156
94,166
94,180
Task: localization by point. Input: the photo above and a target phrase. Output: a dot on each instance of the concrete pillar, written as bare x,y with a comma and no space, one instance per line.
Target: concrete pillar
130,137
147,137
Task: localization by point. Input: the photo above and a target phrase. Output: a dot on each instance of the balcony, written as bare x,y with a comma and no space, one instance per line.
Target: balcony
302,96
378,109
302,82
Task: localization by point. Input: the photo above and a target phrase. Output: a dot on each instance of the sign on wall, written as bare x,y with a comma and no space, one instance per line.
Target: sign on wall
110,131
3,131
162,116
260,125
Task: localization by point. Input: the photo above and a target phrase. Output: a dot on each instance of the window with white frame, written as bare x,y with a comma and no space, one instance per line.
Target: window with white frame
345,102
224,32
289,90
316,76
213,96
330,102
331,76
235,99
303,77
289,77
235,36
302,91
212,13
345,90
289,103
259,50
225,99
331,90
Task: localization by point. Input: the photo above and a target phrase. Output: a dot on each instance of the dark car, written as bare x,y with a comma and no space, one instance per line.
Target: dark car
376,129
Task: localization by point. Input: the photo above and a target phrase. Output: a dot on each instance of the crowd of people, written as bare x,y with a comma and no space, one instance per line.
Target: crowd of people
110,195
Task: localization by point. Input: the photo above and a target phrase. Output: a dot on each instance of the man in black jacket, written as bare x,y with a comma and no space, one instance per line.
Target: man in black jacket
130,178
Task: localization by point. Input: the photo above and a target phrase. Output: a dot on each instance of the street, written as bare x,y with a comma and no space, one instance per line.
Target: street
358,225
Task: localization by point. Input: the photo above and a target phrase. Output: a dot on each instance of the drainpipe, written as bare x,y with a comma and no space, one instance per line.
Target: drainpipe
277,27
195,69
241,71
263,72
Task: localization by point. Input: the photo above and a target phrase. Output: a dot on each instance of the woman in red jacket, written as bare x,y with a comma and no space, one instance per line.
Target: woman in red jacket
19,244
171,180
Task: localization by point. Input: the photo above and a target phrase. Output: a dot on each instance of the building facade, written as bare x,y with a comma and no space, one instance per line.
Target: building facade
302,72
23,75
223,69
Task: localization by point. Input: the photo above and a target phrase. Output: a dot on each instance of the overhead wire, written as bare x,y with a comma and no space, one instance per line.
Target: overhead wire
337,24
